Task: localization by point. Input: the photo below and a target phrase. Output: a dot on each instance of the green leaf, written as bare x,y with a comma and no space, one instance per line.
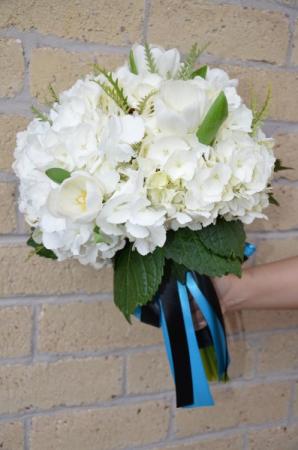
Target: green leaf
57,174
178,271
132,63
151,64
53,94
136,278
259,115
187,67
201,72
184,246
40,116
278,166
98,236
40,249
209,361
143,103
214,118
272,200
112,88
225,239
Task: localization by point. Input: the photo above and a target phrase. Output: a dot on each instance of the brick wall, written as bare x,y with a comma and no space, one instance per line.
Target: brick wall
73,374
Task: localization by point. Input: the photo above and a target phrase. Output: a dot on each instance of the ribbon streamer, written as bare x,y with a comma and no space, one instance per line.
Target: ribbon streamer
191,352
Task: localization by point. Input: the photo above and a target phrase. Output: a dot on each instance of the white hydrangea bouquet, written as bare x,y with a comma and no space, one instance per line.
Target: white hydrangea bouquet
154,167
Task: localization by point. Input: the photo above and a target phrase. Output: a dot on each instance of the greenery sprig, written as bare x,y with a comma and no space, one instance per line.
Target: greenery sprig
143,103
40,115
185,73
112,88
151,64
259,115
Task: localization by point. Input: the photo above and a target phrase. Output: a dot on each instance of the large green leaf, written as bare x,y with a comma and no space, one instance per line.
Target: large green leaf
40,249
185,247
136,278
224,238
213,120
57,174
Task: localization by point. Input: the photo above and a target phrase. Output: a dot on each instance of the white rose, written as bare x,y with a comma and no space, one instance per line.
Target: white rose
179,107
78,198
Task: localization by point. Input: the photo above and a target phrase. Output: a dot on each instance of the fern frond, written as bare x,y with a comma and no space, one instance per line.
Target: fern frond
112,88
189,64
143,103
40,115
151,64
260,115
53,94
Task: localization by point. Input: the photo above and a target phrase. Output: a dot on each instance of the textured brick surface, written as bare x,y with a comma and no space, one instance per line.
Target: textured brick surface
9,126
11,436
22,274
278,353
91,327
283,217
148,372
274,249
233,32
15,331
262,320
245,405
90,20
286,149
230,443
283,102
12,67
285,438
7,208
71,382
61,69
109,428
73,372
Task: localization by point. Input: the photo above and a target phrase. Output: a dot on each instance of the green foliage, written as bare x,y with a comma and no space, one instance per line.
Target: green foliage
40,115
272,200
225,238
136,278
187,69
53,94
57,174
213,120
143,103
151,64
40,249
132,63
98,236
191,249
201,72
209,361
112,89
278,166
259,115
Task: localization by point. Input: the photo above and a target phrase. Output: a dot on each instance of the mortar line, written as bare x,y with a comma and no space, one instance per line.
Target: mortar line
68,44
292,30
245,441
172,428
35,331
291,416
147,9
27,432
262,5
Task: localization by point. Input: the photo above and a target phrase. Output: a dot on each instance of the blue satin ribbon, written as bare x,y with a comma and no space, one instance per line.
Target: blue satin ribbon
201,392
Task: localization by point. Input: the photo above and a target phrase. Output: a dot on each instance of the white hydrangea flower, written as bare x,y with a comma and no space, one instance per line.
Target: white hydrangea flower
132,174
